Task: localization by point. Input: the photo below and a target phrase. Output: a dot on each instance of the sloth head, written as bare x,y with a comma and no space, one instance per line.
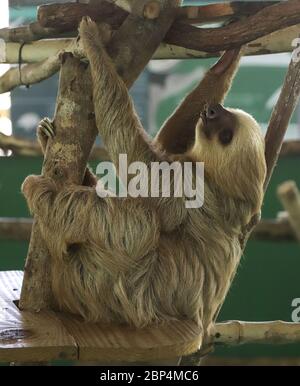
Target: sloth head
231,145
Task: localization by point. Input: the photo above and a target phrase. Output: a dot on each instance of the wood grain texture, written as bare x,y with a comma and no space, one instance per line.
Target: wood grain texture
43,336
106,343
27,336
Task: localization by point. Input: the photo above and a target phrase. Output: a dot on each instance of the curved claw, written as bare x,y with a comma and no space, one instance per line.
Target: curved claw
226,61
46,128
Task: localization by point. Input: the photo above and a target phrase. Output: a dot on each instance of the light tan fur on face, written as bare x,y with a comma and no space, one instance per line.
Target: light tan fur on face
143,261
239,168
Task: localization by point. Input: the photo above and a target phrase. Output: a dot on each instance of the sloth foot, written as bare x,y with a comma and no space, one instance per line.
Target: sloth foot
94,34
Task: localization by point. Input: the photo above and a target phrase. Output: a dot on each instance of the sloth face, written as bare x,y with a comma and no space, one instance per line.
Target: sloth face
230,143
226,133
225,128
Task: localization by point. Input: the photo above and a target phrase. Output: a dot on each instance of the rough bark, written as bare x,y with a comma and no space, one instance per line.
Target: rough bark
265,21
25,147
65,17
37,51
65,162
233,35
281,116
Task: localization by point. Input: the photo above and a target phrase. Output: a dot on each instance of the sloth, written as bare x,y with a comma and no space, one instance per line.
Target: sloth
139,261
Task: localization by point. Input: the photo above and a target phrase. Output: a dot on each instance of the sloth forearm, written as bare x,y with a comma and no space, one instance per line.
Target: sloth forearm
116,119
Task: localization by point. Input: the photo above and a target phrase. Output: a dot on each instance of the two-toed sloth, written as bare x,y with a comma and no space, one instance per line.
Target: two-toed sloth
145,260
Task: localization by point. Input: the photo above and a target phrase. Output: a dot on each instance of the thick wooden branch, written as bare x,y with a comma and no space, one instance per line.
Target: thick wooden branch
267,230
273,230
24,147
281,116
265,21
141,39
15,228
212,13
238,332
38,71
39,51
66,17
28,33
290,148
73,109
289,196
29,74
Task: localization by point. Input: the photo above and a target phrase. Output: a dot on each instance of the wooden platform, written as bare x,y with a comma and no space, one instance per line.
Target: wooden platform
46,336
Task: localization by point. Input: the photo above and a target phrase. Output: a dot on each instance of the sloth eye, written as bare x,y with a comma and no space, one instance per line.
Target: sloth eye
226,136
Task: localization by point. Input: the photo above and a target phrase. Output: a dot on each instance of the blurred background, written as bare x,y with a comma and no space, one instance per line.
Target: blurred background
268,279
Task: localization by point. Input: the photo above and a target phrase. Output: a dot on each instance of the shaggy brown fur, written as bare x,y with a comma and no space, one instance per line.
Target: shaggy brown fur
140,261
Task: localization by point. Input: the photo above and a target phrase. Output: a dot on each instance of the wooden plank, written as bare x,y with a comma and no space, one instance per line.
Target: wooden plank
112,343
26,336
44,336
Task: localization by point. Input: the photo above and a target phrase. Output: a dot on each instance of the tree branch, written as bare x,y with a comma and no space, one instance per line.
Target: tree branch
29,74
15,228
45,54
24,147
238,332
281,116
265,21
66,17
233,35
289,196
271,230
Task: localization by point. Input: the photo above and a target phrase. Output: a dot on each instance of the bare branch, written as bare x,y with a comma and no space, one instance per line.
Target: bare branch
289,196
237,333
281,116
279,41
29,74
24,147
28,33
15,228
66,17
265,21
233,35
273,230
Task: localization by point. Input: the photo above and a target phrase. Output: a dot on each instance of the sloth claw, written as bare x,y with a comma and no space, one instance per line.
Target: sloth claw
46,128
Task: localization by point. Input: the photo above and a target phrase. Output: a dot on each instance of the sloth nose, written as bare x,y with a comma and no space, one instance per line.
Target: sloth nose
214,112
